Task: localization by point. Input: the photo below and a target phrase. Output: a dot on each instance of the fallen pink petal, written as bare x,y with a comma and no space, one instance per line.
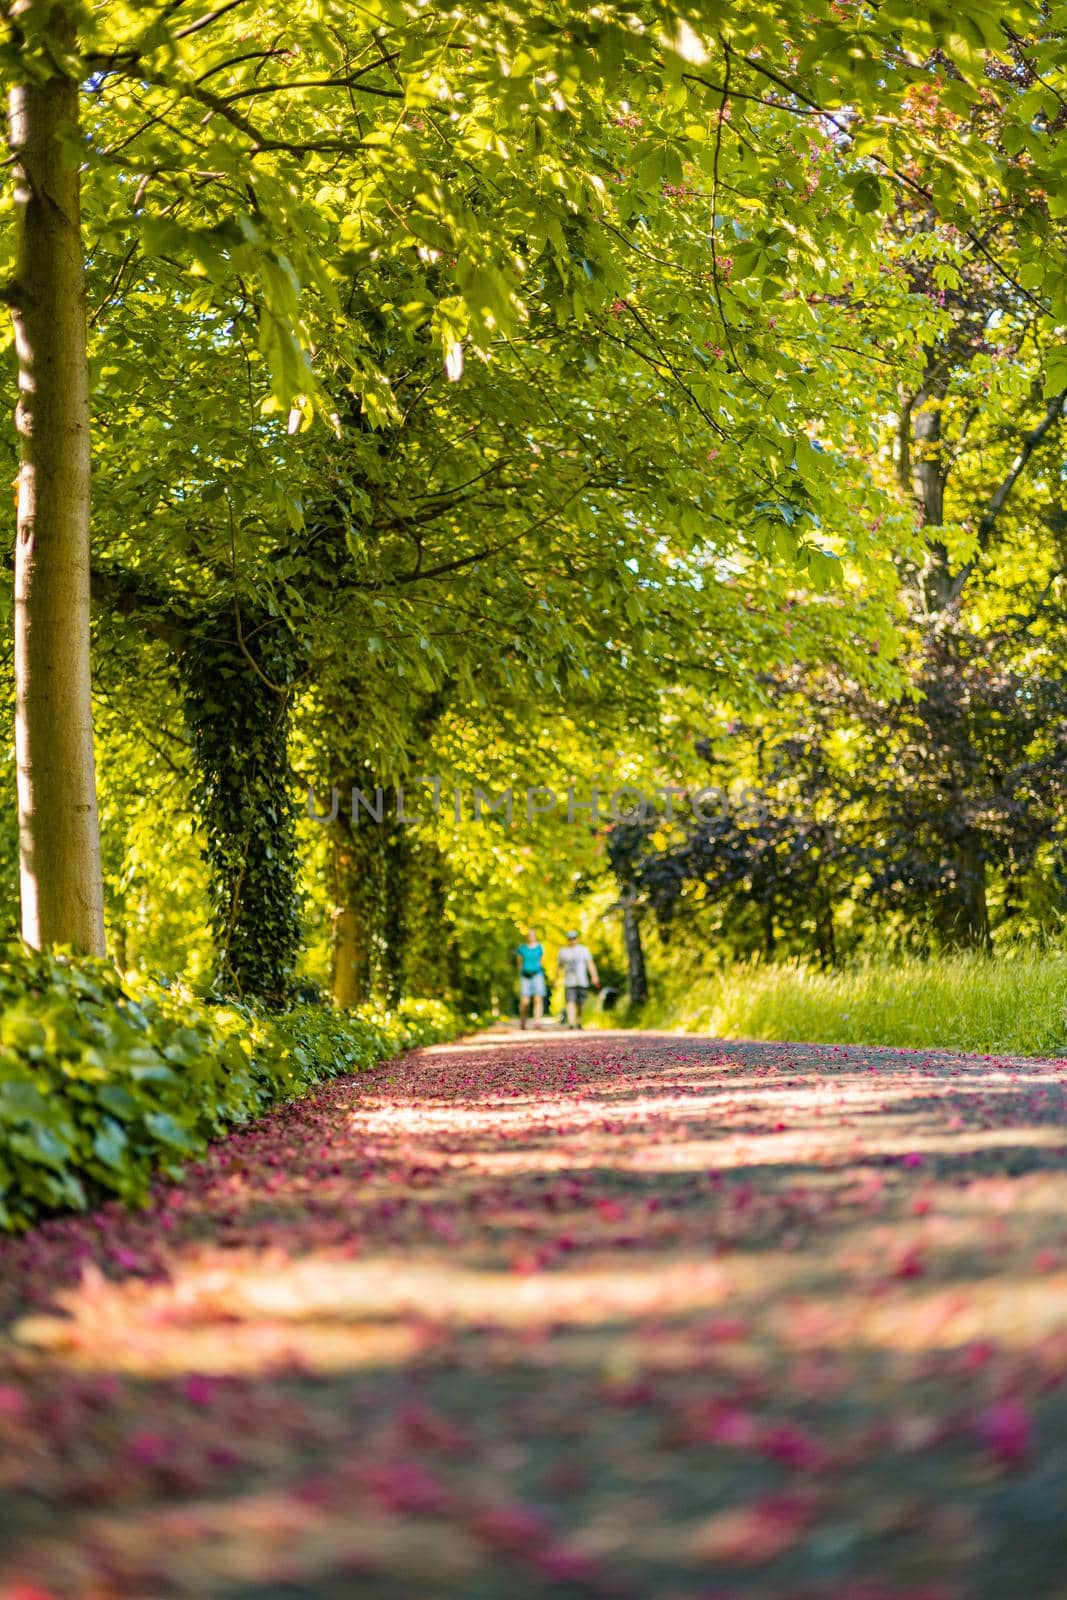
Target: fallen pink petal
592,1339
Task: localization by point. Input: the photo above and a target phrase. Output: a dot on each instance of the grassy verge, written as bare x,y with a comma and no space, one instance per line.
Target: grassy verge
105,1080
1013,1004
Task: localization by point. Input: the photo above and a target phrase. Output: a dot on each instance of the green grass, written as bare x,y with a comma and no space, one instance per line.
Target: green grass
1013,1003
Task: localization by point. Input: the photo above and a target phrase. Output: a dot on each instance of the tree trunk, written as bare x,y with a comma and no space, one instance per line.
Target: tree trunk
239,726
770,941
825,929
351,960
427,969
964,913
61,884
353,915
395,929
119,949
637,976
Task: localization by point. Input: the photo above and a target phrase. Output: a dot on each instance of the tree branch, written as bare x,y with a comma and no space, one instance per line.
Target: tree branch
998,499
125,594
894,172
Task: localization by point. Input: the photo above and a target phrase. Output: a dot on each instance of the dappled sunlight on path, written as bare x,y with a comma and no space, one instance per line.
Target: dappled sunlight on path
612,1315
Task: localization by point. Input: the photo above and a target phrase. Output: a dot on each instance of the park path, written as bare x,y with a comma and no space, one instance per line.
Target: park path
625,1316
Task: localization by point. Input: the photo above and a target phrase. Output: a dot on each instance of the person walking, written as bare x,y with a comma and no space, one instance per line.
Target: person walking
528,959
579,970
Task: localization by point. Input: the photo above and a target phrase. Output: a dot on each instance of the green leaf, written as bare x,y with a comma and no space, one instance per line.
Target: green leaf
163,1127
867,193
109,1142
40,1145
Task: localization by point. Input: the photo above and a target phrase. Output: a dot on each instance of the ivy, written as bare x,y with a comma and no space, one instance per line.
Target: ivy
105,1081
236,695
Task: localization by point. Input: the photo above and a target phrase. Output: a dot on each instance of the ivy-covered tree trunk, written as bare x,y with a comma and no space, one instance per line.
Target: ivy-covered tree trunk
61,884
430,955
239,725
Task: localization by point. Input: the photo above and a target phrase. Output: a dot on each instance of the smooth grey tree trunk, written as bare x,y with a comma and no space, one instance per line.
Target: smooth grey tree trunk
60,876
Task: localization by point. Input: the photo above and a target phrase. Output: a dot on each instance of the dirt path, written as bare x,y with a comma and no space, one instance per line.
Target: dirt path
623,1316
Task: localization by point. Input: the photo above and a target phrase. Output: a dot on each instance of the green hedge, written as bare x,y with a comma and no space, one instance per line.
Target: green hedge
104,1081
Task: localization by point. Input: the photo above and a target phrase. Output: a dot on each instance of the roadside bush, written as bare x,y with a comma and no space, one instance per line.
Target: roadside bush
104,1080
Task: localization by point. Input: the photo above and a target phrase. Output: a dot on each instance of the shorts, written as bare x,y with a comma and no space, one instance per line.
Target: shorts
532,986
577,992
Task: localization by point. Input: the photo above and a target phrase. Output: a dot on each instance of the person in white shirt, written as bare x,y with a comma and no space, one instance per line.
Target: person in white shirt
579,970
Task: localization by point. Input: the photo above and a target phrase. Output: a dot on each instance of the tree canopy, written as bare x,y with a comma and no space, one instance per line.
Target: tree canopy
522,395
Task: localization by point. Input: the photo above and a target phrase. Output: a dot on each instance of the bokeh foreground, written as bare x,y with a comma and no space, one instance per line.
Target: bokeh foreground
618,1315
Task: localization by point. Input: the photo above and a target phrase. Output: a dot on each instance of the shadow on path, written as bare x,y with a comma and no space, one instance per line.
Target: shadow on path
600,1314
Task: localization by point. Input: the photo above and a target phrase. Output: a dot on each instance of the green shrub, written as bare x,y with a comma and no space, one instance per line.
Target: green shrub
311,1043
104,1081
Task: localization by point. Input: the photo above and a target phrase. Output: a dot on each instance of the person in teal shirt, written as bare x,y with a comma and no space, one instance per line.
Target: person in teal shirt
528,959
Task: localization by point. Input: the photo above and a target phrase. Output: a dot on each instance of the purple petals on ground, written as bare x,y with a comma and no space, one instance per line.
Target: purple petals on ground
620,1316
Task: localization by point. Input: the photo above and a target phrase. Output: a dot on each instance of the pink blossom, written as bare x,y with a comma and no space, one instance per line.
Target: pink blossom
1006,1430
